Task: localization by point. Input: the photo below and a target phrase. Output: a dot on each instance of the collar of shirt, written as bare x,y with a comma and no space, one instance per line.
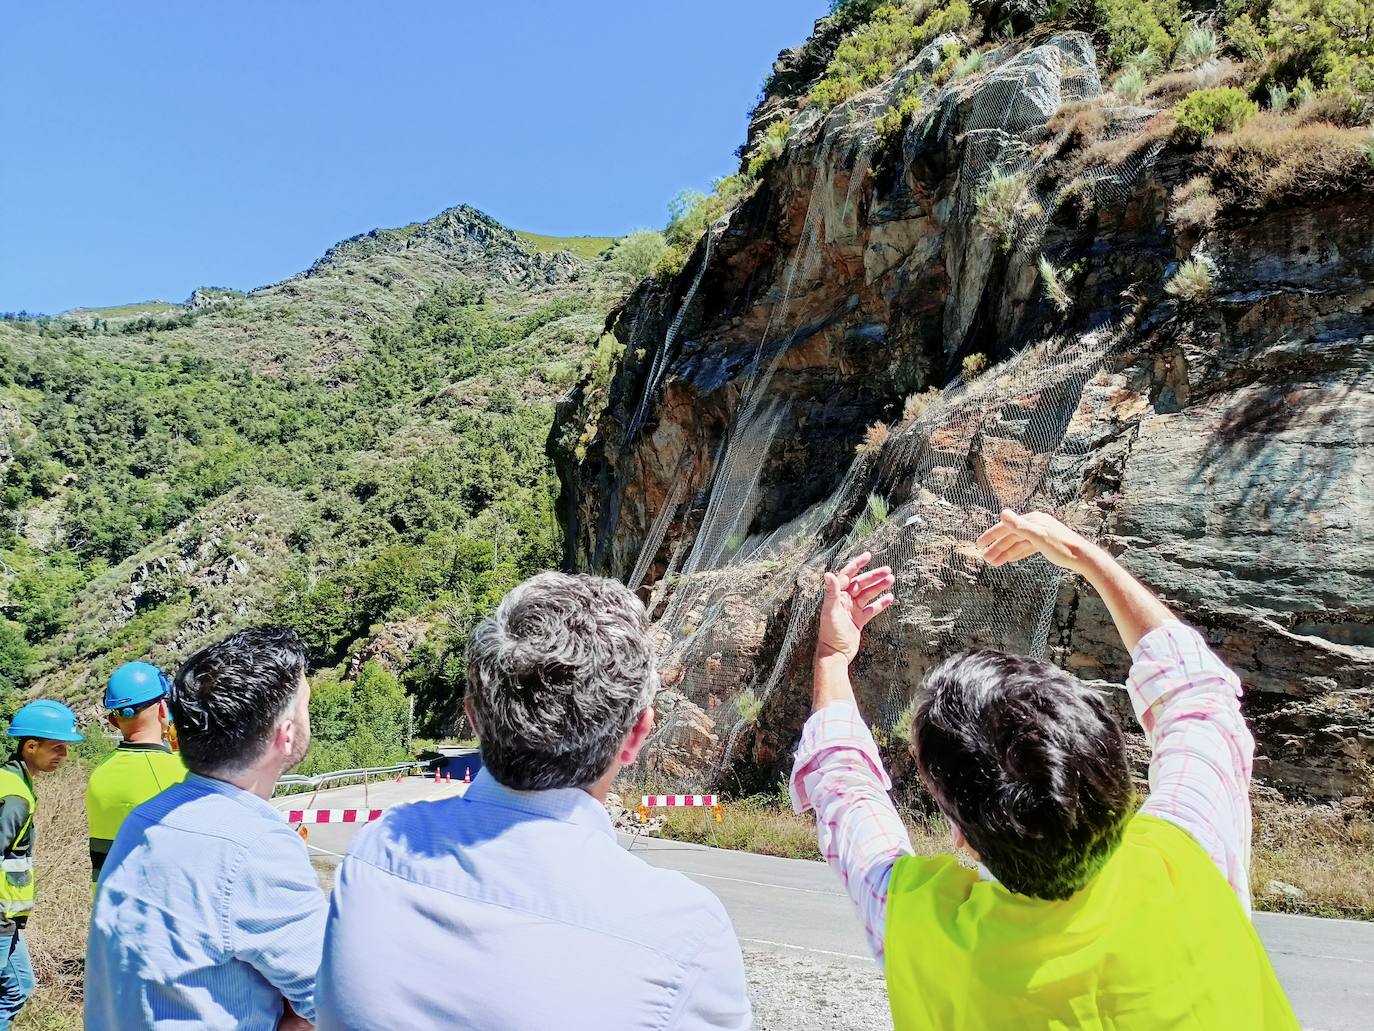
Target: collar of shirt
569,805
143,746
250,801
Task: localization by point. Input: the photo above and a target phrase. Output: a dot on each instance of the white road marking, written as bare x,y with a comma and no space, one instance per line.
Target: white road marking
763,884
803,948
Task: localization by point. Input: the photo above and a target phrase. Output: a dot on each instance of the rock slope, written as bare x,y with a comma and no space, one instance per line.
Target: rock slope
1219,444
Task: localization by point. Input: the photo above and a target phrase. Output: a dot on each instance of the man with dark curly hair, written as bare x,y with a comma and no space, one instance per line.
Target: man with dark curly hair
1083,911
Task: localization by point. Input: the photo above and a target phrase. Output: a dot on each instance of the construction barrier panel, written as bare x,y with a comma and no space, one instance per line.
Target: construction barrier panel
711,802
333,815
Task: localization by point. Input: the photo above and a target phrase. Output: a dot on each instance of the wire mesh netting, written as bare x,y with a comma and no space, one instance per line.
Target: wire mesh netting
737,601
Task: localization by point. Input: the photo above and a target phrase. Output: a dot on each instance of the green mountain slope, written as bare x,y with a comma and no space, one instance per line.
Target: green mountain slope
357,450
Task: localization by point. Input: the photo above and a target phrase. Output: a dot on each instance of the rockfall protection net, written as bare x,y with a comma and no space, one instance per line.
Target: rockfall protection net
738,602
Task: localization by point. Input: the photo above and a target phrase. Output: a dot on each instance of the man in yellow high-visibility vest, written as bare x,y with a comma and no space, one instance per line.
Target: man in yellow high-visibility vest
141,766
44,729
1083,912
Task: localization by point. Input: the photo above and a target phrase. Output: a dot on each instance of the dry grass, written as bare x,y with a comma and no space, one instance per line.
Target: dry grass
916,405
1277,158
1326,852
57,931
1081,121
874,439
766,824
1194,206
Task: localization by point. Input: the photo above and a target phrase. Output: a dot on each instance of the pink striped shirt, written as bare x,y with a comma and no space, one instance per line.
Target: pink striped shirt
1187,702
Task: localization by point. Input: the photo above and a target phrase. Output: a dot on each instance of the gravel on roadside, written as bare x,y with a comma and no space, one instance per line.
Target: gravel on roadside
808,993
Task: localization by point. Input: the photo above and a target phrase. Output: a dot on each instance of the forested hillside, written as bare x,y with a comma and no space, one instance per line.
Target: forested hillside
357,451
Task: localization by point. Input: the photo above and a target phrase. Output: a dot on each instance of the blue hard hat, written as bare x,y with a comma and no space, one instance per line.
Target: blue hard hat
45,718
133,684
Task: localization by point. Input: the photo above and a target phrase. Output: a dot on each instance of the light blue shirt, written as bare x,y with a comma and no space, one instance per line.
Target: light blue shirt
518,911
208,914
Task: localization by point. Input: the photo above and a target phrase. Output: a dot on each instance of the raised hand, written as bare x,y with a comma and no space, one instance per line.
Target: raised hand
852,599
1019,536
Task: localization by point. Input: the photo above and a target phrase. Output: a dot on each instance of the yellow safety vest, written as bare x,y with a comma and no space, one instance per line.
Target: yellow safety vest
1156,940
16,857
123,780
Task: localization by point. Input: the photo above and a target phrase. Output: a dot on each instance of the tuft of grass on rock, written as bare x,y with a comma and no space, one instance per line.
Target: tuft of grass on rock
1004,202
1194,205
1130,85
1056,284
1194,281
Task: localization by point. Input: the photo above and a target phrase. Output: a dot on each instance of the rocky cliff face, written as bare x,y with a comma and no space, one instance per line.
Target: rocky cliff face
1217,439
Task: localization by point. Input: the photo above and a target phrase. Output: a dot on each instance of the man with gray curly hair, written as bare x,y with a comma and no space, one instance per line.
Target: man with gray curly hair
514,907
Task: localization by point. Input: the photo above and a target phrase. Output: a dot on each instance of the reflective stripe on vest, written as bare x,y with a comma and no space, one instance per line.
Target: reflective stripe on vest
1156,939
17,884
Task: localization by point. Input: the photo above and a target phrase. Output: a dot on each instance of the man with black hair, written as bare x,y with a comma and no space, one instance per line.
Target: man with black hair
209,914
1083,912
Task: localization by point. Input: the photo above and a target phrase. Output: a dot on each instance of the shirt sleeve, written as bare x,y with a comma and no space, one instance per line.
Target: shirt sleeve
839,774
1188,703
715,995
276,918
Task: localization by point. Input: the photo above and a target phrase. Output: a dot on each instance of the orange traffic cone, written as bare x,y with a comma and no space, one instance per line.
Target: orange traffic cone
448,777
436,775
467,775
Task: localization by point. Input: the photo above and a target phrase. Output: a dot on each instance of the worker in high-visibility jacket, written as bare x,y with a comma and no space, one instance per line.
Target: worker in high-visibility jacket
43,729
141,766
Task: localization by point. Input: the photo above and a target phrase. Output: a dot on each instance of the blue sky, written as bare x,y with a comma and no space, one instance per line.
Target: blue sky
152,147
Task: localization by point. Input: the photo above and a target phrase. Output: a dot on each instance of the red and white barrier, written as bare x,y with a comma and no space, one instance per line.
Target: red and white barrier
333,815
711,802
675,801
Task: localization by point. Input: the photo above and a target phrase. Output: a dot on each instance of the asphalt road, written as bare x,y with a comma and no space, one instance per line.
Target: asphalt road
795,908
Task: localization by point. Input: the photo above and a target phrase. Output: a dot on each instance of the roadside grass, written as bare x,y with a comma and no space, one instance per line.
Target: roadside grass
1325,853
585,247
57,930
766,824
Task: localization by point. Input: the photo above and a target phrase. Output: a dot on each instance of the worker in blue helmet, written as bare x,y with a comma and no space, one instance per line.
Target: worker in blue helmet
43,730
143,763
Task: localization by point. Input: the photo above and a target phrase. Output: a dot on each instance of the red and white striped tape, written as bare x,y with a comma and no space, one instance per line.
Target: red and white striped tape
674,801
332,815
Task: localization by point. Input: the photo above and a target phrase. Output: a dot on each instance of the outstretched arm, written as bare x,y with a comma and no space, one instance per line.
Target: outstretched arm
838,771
1135,610
1185,698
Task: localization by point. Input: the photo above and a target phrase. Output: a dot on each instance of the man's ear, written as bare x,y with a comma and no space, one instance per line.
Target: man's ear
471,714
284,737
635,737
112,720
162,710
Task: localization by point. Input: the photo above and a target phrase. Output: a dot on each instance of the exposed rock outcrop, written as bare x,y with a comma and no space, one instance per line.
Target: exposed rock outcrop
1222,448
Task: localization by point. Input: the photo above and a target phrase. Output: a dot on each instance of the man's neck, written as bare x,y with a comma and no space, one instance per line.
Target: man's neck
144,735
601,787
257,780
